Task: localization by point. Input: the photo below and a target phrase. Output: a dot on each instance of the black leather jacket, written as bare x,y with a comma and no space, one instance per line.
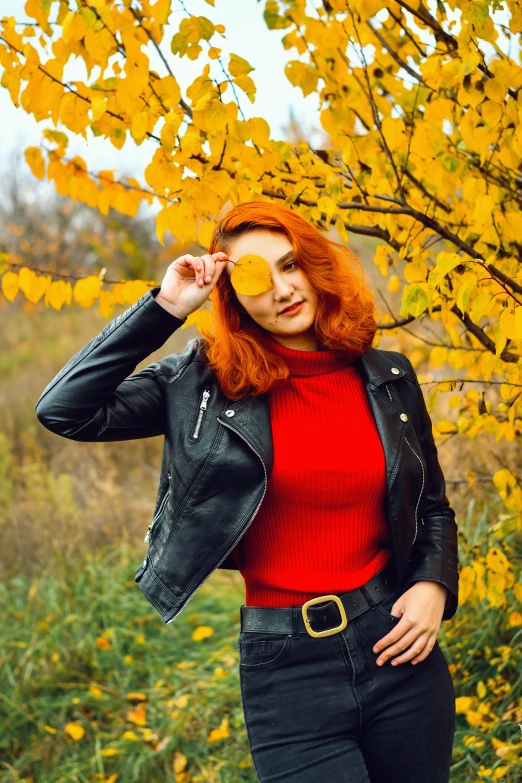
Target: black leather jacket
218,453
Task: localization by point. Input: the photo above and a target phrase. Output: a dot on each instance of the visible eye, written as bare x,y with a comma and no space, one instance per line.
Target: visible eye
289,264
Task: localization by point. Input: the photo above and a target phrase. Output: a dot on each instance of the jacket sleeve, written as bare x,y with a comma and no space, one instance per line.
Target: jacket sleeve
435,552
94,397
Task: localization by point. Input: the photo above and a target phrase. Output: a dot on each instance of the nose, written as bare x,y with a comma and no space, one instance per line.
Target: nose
282,288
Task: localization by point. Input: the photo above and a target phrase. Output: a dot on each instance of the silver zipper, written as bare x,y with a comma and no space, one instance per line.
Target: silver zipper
389,393
244,531
202,409
422,487
157,514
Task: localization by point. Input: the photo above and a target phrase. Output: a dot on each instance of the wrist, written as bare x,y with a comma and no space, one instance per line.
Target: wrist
171,308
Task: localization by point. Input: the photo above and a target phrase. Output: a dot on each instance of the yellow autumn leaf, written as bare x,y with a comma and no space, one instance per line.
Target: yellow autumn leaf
137,716
179,762
445,263
302,75
251,275
10,285
237,66
87,290
221,733
202,632
35,161
75,730
136,696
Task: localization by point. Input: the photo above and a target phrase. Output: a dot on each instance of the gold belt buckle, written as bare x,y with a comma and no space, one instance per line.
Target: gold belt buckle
319,600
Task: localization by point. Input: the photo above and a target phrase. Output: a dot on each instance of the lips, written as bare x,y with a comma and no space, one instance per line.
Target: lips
290,307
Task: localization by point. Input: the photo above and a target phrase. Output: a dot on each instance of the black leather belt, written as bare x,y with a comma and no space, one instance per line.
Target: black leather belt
324,615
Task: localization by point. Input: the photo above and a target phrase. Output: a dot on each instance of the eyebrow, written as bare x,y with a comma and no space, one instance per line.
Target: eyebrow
284,258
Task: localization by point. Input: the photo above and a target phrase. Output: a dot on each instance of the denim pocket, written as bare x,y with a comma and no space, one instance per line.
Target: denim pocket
384,606
258,650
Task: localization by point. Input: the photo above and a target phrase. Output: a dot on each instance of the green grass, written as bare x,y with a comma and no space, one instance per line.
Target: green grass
53,672
81,646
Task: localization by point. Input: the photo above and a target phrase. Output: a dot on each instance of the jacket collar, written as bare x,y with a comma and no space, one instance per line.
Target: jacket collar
251,418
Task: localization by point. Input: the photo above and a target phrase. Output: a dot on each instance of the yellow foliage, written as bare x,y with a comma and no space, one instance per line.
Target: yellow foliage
221,733
202,632
74,730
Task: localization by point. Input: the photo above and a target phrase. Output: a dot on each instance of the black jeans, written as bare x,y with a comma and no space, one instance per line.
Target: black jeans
320,709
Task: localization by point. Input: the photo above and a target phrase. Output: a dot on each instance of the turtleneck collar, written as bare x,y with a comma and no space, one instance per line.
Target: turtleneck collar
311,362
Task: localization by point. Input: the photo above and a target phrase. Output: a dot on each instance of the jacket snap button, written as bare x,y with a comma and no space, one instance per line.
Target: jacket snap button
229,413
404,416
395,370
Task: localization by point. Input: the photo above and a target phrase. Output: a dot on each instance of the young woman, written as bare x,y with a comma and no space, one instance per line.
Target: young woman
303,457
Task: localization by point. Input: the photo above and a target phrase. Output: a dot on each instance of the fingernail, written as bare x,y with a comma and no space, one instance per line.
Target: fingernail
394,663
380,663
376,649
208,278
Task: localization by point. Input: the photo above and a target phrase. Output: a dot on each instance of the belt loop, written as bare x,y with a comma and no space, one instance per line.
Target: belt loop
295,622
368,597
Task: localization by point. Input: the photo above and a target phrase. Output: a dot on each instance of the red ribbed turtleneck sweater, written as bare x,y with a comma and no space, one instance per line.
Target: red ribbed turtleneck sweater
321,526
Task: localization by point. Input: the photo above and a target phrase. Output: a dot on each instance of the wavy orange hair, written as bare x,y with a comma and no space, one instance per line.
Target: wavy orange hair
236,346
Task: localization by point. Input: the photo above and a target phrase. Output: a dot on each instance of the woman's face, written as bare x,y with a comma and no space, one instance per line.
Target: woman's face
289,286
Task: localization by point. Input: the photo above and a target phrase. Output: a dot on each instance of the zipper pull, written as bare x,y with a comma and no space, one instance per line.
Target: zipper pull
206,395
147,534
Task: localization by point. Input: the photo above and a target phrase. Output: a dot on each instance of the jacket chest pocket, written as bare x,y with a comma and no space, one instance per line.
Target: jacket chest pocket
199,418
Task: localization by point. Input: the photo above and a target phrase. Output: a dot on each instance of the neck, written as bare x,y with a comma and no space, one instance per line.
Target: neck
298,342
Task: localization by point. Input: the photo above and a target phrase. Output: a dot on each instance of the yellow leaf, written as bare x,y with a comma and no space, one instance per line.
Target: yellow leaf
414,300
136,696
237,66
75,730
140,125
251,275
463,704
302,75
246,84
179,762
394,284
394,132
517,589
74,27
10,285
137,716
221,733
202,632
50,729
515,618
380,259
35,161
445,263
181,701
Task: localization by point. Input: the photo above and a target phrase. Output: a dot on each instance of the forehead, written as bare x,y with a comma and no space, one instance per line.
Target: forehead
268,244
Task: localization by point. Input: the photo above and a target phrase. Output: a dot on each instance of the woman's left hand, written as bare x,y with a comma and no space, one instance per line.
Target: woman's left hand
420,609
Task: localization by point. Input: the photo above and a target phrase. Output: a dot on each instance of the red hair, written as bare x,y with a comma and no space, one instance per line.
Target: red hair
236,346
